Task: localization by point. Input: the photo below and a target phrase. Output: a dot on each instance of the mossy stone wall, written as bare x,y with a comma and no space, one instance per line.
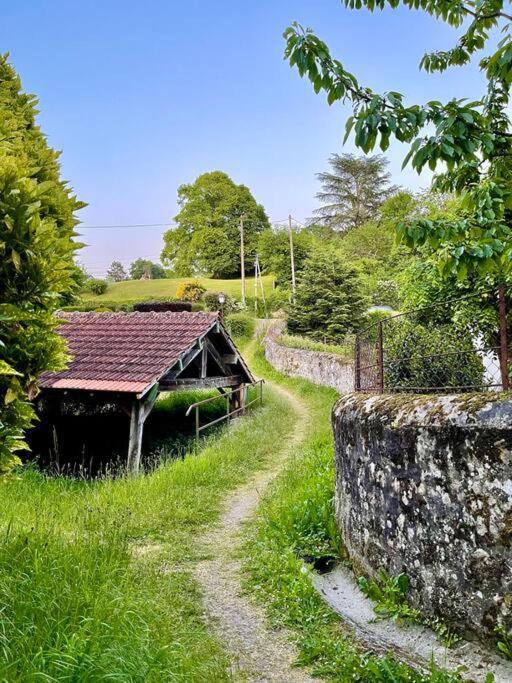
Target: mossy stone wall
424,486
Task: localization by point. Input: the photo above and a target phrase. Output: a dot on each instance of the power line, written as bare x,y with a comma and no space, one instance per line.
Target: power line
157,225
133,225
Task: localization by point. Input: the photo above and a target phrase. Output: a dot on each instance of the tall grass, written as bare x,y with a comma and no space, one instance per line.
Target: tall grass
95,576
294,341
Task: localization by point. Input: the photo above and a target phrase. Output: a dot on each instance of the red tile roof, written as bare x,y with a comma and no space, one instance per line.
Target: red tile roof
125,352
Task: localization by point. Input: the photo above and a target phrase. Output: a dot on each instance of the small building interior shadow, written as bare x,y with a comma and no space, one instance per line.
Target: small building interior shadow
95,445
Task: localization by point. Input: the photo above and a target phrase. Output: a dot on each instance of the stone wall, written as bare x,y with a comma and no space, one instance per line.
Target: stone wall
327,369
424,486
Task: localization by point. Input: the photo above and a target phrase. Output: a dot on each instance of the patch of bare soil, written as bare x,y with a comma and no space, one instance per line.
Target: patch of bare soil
259,653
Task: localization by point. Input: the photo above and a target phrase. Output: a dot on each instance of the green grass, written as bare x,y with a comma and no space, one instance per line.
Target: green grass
95,577
296,523
293,341
153,289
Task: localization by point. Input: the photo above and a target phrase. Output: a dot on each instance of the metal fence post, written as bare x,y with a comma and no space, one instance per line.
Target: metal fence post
502,308
380,356
357,365
197,425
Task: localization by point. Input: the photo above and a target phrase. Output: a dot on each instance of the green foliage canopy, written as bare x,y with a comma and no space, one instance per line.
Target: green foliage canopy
117,272
373,249
206,239
36,259
353,190
274,252
469,140
328,302
144,268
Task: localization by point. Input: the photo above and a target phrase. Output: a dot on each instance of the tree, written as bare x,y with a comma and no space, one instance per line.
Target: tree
353,191
328,302
372,249
470,141
37,269
206,239
274,252
143,268
116,272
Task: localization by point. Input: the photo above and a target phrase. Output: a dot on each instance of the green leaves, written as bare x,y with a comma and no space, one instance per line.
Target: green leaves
207,234
36,260
467,143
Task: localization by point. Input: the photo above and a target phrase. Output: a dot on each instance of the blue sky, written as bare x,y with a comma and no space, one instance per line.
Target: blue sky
142,97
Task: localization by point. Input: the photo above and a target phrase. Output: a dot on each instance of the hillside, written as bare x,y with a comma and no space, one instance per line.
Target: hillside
149,289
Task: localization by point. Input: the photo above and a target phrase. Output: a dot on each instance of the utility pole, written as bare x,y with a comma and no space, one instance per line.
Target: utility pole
292,257
242,257
256,267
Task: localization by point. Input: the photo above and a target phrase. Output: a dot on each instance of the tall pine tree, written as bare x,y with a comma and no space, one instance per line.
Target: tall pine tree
37,269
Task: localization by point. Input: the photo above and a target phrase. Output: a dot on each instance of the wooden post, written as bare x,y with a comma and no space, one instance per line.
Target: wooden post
204,361
292,257
139,412
237,400
242,257
135,443
256,286
502,308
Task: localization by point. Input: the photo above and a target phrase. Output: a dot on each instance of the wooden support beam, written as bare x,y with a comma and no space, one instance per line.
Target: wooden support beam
204,361
135,443
217,357
184,362
200,383
237,400
139,412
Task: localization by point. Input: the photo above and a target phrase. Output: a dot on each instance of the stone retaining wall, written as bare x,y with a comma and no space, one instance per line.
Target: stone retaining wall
327,369
424,486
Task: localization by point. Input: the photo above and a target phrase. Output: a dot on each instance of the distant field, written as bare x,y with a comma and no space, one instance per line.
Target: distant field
148,289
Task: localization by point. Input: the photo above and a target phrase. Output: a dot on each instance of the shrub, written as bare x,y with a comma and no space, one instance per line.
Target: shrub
430,357
211,302
190,291
37,271
97,286
240,325
163,306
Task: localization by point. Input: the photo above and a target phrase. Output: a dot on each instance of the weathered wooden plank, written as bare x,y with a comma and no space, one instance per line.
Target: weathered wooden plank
204,361
135,443
217,357
139,412
200,383
184,362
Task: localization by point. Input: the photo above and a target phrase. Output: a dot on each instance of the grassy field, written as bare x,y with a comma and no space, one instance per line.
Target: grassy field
149,289
95,576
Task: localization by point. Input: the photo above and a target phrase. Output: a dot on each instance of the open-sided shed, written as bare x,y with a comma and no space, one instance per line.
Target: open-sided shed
129,358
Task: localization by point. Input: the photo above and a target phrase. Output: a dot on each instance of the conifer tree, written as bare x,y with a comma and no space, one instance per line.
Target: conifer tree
328,303
37,267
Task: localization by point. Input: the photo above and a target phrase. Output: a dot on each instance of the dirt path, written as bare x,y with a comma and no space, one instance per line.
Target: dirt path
259,654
